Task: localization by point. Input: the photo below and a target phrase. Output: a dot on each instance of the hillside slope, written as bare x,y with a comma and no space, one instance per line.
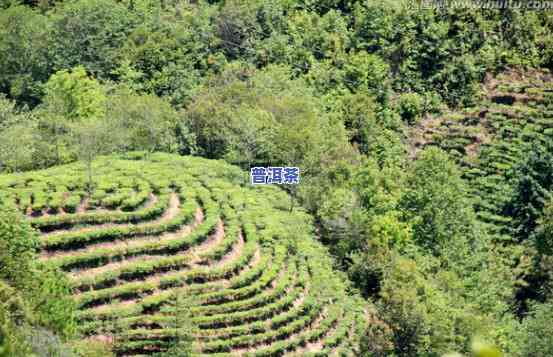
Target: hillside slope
170,246
494,139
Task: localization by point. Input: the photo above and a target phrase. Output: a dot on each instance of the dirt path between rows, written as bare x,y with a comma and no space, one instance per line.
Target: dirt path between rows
170,213
128,244
261,345
155,279
317,345
122,244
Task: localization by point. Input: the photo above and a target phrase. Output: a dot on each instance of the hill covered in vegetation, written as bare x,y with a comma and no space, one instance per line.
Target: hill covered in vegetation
510,127
422,131
504,146
176,252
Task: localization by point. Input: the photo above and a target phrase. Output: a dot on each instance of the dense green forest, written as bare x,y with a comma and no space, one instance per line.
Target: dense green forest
423,216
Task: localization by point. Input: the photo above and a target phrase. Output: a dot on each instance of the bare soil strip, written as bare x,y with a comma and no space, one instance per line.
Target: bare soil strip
298,302
91,272
170,213
129,243
213,241
155,279
268,291
83,206
235,253
317,345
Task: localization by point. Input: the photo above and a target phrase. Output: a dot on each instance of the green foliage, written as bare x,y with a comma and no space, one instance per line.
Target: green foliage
343,89
144,122
533,183
24,64
410,107
237,28
89,33
482,349
74,96
54,306
18,246
92,349
223,263
428,290
13,313
409,304
437,201
544,235
167,55
180,307
448,50
265,118
17,151
303,40
479,349
371,129
367,72
33,297
535,341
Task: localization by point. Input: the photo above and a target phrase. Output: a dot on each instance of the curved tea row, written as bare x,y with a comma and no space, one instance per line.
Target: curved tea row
515,117
176,246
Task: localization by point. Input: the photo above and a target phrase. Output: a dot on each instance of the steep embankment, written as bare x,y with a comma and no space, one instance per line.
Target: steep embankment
188,235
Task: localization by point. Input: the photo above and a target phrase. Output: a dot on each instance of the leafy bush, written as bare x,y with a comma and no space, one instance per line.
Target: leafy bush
410,107
18,246
35,298
535,342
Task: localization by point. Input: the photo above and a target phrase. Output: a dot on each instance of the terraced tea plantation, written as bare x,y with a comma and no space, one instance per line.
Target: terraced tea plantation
514,118
177,246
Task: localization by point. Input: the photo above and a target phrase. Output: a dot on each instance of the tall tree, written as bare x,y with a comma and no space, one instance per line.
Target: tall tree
24,62
437,201
533,183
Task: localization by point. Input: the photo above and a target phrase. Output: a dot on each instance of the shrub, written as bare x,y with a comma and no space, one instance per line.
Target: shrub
410,107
